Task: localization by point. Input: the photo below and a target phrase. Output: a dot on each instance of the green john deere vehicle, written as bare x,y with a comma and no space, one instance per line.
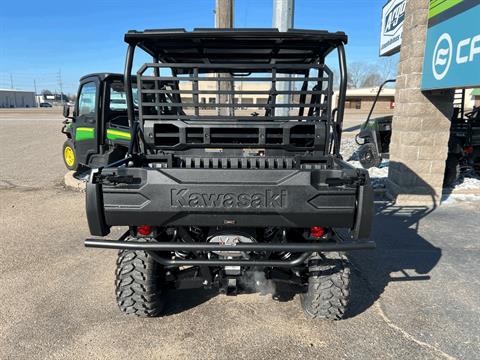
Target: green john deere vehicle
374,136
98,132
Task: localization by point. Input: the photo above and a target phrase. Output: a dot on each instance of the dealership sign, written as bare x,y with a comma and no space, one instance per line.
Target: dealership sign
452,50
393,14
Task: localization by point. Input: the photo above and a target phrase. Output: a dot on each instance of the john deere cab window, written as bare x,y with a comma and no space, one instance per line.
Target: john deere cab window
118,100
86,102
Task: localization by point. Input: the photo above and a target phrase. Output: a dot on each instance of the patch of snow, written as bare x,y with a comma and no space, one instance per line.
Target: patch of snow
455,198
349,149
468,182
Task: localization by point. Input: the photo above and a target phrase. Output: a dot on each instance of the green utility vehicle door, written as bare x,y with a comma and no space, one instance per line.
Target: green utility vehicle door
86,119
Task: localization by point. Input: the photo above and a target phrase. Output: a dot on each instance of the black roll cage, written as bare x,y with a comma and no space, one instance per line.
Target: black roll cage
136,39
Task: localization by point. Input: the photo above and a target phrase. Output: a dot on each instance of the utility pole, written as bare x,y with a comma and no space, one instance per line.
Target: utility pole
35,89
14,92
224,14
224,20
283,20
60,84
283,14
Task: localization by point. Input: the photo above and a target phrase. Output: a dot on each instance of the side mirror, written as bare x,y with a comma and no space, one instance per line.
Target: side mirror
66,111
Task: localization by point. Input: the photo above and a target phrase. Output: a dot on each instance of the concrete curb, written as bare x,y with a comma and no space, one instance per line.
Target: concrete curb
73,183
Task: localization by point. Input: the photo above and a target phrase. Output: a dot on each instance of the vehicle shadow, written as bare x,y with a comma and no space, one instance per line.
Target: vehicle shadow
185,299
402,254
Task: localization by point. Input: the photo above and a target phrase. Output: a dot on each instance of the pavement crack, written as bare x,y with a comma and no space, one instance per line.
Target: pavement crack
388,321
6,185
409,336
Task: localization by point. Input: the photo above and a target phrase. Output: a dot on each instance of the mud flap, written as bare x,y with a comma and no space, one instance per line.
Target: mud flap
364,214
94,207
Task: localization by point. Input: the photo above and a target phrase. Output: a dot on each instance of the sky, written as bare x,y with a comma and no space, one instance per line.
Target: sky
47,41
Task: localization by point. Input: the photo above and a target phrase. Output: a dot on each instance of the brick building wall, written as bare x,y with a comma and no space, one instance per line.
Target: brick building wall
421,123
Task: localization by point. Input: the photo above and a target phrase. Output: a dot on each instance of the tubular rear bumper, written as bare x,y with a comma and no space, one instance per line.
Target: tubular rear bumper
301,251
222,197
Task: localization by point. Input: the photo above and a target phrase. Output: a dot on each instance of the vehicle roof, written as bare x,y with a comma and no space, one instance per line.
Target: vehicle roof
256,46
103,76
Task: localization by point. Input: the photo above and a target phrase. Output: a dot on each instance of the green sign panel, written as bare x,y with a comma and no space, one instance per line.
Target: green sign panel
452,50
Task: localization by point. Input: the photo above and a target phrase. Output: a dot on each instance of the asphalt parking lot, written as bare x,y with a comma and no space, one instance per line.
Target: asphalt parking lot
416,295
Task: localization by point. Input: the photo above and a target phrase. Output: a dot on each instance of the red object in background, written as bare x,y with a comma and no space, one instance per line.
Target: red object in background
468,149
144,230
317,231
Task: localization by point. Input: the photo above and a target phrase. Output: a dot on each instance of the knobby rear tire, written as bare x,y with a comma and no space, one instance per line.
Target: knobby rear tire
139,283
328,294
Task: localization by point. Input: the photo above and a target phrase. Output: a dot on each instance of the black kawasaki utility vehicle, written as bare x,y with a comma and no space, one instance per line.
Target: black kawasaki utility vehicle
98,132
374,136
233,177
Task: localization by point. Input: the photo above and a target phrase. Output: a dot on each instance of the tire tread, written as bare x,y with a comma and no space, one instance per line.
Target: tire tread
138,284
328,289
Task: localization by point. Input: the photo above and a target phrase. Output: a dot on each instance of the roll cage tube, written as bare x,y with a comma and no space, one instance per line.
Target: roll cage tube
341,98
129,97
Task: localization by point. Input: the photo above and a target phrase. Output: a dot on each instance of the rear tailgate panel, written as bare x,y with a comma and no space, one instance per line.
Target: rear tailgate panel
218,197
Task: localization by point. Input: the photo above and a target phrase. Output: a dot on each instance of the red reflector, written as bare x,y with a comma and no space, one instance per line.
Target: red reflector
317,231
468,149
144,230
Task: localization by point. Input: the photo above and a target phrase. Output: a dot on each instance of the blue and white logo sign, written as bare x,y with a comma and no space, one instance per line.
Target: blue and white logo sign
442,56
452,50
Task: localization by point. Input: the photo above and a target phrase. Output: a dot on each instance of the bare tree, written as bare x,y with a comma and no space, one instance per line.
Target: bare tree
388,67
372,79
362,74
357,72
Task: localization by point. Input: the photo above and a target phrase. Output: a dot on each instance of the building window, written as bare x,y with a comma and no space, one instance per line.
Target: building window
247,101
262,101
353,104
203,100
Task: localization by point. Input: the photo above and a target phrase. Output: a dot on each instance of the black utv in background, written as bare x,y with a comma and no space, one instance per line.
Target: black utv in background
233,177
463,146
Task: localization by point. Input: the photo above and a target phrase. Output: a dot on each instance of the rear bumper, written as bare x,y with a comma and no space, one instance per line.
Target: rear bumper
223,197
302,251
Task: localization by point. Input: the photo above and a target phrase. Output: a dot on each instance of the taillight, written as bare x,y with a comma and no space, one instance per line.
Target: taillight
144,230
468,149
317,232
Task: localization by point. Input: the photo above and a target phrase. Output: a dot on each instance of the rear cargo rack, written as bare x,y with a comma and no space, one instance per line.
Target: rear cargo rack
196,105
200,92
